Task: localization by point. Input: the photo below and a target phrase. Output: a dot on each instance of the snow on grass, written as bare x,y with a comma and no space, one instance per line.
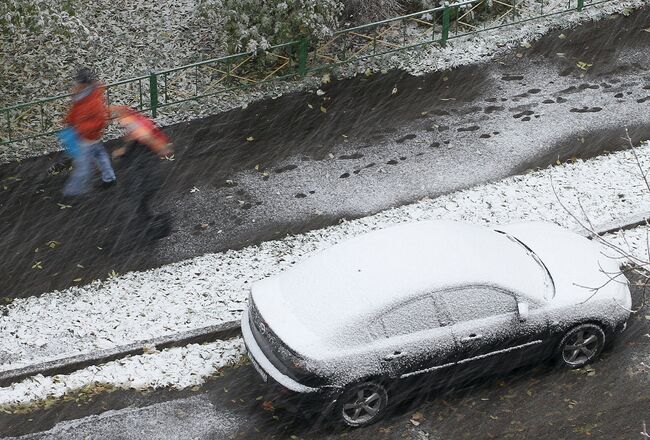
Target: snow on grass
114,59
178,367
212,289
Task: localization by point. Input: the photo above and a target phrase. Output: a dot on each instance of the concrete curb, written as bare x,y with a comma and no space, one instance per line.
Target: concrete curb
226,330
630,222
210,333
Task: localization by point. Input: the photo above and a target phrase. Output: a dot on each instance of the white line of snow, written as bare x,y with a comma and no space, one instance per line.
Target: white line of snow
486,45
212,289
178,367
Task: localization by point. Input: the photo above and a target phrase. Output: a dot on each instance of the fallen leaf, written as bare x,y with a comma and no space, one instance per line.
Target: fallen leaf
310,106
323,109
327,79
194,190
582,65
562,37
267,405
63,206
525,44
52,244
76,280
37,265
250,138
418,416
394,92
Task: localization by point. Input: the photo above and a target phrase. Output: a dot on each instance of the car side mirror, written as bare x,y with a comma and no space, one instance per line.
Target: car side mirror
522,308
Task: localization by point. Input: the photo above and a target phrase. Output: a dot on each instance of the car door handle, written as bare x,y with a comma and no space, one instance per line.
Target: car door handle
396,355
471,337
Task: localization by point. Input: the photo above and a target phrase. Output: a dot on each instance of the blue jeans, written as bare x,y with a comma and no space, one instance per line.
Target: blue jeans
78,183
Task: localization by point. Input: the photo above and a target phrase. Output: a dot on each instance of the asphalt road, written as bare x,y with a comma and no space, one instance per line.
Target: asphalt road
372,149
608,400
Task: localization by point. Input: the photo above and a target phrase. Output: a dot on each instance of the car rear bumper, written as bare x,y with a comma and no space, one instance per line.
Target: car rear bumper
266,369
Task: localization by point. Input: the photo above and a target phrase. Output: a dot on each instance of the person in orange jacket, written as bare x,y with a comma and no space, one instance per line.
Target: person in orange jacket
89,117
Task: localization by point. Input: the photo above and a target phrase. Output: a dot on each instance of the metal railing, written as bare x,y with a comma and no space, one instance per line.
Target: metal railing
194,82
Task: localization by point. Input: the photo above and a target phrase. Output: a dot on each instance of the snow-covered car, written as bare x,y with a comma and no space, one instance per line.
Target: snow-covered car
437,299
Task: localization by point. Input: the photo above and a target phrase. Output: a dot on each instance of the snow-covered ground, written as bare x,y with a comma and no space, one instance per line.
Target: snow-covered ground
212,289
178,46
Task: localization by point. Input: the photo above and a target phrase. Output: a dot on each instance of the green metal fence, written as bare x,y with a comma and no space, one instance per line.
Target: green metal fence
214,77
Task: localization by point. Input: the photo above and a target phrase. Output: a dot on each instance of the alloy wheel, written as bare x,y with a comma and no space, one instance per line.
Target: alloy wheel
581,345
363,404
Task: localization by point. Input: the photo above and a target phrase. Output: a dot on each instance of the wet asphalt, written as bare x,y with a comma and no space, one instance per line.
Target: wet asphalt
284,166
608,400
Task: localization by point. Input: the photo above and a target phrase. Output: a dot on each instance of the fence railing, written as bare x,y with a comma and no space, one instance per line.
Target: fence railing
193,82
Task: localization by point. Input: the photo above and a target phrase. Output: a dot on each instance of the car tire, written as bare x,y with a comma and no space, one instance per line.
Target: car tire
362,404
581,345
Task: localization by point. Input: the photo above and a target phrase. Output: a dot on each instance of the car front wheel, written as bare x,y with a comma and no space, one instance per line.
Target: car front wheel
581,345
362,404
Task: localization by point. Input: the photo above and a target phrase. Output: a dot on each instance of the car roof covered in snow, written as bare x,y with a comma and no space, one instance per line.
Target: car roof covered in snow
336,288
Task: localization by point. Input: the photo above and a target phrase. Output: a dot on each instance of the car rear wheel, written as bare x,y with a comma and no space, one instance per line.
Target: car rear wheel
581,345
362,404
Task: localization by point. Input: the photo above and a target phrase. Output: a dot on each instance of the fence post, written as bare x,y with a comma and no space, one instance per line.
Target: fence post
446,19
153,94
581,5
302,56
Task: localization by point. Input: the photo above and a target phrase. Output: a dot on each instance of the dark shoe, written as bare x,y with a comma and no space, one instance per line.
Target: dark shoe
109,184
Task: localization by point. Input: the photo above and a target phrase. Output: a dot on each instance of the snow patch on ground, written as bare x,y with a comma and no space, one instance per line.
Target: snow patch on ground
213,288
634,244
179,367
192,418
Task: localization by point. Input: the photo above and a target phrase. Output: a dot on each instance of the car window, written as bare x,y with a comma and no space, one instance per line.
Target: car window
476,303
411,317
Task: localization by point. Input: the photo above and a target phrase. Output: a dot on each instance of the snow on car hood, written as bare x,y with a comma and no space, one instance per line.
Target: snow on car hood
576,264
332,297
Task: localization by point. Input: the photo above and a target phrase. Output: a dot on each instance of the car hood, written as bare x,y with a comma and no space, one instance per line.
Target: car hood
580,268
274,309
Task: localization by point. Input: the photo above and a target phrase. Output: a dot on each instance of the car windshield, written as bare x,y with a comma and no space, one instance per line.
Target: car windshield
549,293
